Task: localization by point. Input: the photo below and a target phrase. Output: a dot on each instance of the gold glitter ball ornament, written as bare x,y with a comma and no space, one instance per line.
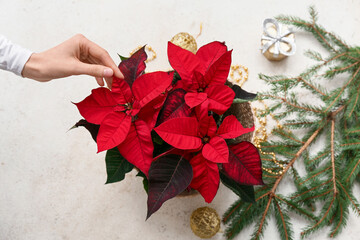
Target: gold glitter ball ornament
185,41
205,222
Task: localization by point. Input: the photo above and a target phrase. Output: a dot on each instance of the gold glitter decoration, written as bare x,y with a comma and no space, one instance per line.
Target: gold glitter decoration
261,135
205,222
148,48
242,72
185,41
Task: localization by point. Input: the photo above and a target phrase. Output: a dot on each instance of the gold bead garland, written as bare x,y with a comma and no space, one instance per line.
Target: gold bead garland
261,135
243,73
205,222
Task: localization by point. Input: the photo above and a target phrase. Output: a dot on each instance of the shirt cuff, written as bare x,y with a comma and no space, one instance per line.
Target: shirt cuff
12,56
23,58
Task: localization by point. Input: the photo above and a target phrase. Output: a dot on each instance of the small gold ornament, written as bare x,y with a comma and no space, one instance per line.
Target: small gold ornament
205,222
185,41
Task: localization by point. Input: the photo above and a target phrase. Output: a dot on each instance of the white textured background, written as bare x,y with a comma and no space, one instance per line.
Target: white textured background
52,181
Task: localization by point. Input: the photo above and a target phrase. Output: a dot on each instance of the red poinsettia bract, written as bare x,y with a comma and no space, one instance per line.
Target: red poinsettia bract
188,133
203,75
116,112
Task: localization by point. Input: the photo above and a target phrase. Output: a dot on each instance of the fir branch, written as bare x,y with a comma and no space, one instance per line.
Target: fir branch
339,69
290,123
316,89
314,161
229,213
352,104
314,55
284,100
352,199
334,167
354,169
333,155
293,206
311,189
297,155
316,68
333,233
315,175
321,221
263,218
282,222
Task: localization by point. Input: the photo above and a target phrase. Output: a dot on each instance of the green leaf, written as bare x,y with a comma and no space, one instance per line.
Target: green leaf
238,100
245,192
116,166
122,58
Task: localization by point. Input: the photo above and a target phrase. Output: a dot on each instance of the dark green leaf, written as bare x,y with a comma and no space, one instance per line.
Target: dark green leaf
116,166
245,192
242,94
145,180
92,128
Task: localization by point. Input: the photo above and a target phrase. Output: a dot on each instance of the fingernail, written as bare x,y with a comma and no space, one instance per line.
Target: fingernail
108,72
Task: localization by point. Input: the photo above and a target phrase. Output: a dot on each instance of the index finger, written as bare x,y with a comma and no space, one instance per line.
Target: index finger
102,55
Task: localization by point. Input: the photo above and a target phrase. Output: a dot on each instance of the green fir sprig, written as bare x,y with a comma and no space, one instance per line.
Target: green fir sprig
332,167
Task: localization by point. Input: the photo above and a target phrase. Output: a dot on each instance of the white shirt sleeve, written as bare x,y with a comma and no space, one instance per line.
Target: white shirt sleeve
12,57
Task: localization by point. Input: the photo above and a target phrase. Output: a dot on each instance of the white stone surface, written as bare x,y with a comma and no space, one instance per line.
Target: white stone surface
52,181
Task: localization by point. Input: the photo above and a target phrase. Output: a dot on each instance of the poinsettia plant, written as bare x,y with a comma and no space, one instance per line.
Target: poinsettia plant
171,126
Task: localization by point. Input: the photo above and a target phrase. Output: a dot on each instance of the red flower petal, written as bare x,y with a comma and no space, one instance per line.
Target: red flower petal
183,61
149,86
244,164
194,99
198,81
121,91
113,130
220,98
181,133
216,150
150,112
207,126
202,111
138,146
211,52
134,66
205,177
219,71
232,128
95,107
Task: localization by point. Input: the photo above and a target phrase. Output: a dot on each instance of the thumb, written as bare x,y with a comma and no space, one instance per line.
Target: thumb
98,71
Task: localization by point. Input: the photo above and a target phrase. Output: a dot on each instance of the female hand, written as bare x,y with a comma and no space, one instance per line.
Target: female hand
76,56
